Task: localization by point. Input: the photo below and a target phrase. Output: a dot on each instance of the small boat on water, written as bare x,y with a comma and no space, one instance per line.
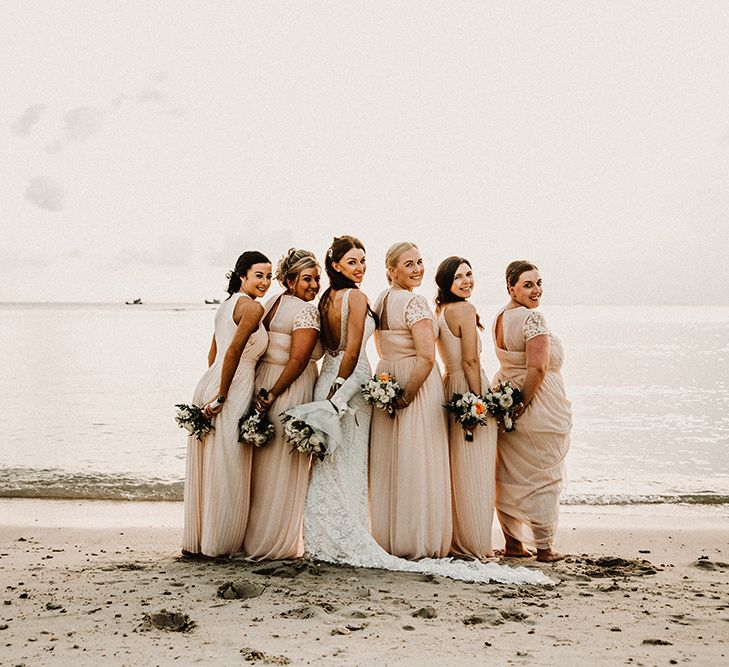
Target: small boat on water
212,301
136,302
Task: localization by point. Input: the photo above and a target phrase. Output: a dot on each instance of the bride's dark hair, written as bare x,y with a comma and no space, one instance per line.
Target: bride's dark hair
340,246
444,280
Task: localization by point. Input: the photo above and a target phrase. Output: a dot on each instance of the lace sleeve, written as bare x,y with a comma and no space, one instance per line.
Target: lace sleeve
308,318
534,325
416,310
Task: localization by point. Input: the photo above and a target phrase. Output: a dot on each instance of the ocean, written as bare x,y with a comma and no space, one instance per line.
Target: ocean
88,394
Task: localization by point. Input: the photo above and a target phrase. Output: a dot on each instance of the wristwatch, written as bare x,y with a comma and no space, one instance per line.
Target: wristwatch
220,399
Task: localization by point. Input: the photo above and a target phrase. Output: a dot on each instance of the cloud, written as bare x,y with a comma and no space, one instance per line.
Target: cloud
45,194
80,123
159,99
25,124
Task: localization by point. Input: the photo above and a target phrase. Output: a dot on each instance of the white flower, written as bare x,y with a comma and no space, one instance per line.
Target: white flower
505,401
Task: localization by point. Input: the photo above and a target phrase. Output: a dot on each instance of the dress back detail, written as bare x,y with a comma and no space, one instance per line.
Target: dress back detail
449,345
518,325
398,310
292,313
225,328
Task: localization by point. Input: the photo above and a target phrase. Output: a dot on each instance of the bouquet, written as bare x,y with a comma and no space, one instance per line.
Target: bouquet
382,391
192,419
255,429
303,437
501,402
470,410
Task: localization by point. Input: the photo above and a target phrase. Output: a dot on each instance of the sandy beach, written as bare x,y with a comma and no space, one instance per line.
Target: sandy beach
100,582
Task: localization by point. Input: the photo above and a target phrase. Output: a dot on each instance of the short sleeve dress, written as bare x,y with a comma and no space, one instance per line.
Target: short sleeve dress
280,477
410,494
530,460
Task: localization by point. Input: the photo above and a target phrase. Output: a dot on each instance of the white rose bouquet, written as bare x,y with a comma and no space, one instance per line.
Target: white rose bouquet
502,401
255,429
470,410
192,419
381,391
303,437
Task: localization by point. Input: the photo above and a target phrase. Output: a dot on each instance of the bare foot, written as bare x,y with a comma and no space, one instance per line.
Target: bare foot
549,556
515,549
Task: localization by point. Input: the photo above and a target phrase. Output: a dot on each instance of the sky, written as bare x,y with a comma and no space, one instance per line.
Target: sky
145,145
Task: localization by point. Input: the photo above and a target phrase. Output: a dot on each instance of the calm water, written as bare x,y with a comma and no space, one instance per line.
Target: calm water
88,393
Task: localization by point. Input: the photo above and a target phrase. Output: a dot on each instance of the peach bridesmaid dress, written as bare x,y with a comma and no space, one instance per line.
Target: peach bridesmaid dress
218,470
280,477
410,495
473,463
530,461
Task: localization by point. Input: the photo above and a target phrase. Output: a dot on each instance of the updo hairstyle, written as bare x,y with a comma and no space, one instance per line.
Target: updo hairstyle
393,254
244,263
515,269
292,264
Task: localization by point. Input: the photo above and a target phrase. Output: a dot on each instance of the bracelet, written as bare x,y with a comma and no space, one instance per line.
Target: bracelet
402,398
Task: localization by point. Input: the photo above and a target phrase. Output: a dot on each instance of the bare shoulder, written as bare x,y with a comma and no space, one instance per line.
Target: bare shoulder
249,308
463,311
357,298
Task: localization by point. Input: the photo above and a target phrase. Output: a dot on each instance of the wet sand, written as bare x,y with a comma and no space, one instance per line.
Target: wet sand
103,583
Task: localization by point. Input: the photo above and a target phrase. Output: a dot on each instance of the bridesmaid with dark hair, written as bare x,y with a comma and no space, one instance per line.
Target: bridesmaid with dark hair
218,469
530,465
472,463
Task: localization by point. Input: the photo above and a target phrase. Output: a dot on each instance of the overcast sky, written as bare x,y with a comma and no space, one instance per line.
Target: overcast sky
146,144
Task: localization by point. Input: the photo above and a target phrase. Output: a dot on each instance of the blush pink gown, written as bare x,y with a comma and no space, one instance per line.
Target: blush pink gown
530,462
218,469
410,495
280,477
473,463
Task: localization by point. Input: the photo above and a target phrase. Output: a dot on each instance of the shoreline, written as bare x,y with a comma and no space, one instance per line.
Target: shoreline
70,513
86,581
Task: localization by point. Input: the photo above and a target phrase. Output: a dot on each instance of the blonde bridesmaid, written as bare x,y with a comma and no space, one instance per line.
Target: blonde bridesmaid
218,469
288,372
472,463
530,468
410,497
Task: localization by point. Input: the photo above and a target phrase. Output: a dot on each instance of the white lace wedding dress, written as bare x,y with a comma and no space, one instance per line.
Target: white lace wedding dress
336,524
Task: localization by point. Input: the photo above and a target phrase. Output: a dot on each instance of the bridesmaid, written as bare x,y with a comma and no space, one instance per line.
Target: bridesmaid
217,478
472,463
530,465
410,497
288,371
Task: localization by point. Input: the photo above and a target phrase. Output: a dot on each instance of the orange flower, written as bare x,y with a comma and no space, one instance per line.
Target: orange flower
384,377
480,408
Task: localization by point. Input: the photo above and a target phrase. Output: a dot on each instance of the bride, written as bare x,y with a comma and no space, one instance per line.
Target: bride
336,523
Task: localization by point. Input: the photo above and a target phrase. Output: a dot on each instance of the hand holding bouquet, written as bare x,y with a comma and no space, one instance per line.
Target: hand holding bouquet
502,401
303,437
192,419
470,410
382,391
255,429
